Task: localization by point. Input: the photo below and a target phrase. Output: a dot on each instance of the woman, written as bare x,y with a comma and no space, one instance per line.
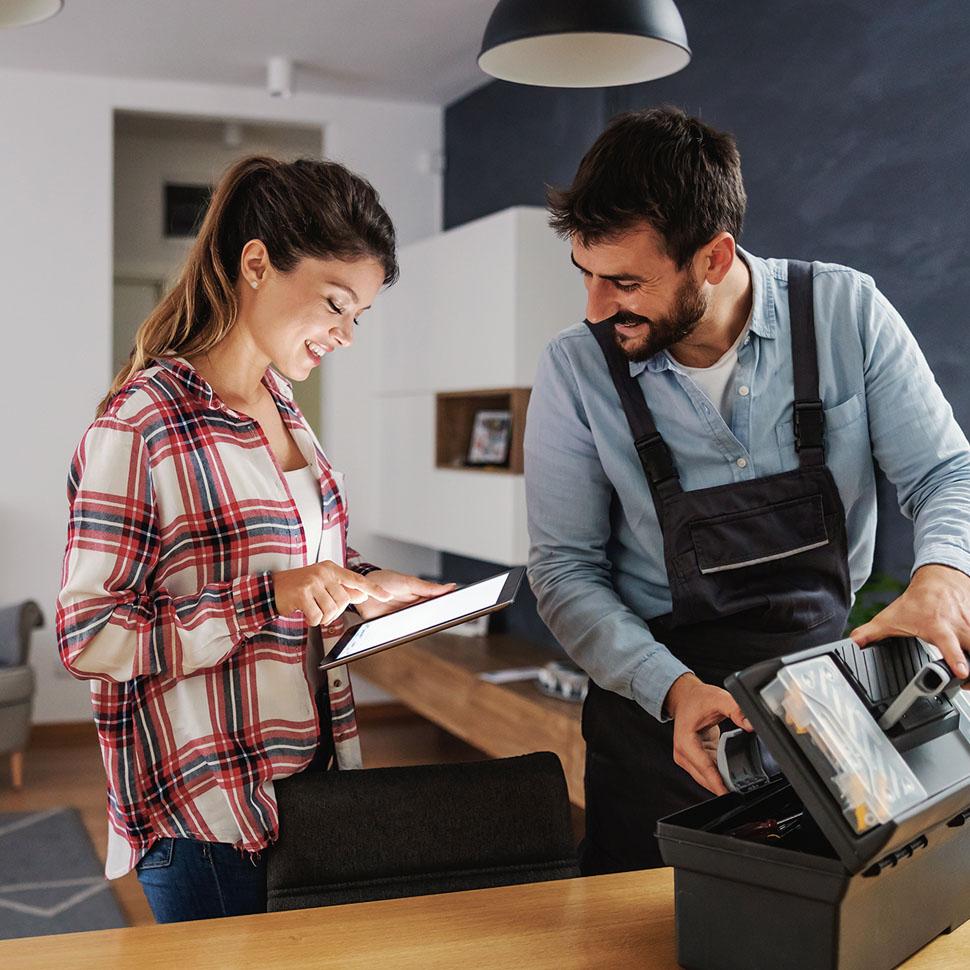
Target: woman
208,539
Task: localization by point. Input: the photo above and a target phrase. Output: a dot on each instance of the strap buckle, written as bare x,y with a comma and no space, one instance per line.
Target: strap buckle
655,456
809,421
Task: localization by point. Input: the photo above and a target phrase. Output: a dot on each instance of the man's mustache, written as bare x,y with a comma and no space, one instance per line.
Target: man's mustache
623,317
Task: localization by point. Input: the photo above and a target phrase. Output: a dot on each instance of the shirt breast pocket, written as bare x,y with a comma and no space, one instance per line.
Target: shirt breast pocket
847,445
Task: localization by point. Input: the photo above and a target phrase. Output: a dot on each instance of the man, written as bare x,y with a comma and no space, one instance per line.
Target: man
699,468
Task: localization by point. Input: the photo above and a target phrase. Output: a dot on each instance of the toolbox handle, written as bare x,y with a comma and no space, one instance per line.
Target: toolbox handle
960,819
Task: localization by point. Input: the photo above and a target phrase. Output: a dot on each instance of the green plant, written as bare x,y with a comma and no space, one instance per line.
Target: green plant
875,595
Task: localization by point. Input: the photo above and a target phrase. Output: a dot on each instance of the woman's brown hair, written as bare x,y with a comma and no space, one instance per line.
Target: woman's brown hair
297,209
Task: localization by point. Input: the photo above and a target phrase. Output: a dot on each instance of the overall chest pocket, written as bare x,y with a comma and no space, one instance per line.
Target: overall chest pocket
751,537
773,567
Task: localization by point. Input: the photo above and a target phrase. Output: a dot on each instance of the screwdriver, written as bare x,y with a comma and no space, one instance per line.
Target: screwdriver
769,828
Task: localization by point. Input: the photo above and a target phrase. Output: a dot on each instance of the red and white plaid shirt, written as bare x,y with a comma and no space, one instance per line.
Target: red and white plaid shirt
179,514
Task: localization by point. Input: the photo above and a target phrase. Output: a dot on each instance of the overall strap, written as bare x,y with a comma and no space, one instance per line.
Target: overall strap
808,417
655,457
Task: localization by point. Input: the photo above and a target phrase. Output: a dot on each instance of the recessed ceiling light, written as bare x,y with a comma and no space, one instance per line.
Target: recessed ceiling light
279,77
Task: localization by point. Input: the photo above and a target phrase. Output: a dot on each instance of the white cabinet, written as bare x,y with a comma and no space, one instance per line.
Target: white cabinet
472,311
475,305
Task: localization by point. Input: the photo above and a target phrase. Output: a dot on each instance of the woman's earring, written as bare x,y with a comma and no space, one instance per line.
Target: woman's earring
254,284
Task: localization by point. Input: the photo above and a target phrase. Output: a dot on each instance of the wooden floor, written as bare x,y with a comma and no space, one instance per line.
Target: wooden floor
63,767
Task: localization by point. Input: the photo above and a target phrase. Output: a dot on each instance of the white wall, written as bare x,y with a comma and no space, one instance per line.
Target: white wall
55,302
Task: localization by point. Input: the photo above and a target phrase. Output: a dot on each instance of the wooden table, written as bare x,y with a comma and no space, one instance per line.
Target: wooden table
437,676
624,920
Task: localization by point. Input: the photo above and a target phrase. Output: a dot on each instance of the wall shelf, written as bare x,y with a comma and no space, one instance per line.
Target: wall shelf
455,415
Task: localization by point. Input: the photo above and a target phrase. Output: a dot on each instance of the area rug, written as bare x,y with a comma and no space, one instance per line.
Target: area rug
50,877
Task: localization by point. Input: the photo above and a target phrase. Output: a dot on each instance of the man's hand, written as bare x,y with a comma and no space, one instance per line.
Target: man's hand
404,591
697,708
935,608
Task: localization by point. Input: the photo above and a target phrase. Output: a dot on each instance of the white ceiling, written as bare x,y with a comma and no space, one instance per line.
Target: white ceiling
416,50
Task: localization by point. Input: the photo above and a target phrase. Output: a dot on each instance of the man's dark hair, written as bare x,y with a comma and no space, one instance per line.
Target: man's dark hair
659,166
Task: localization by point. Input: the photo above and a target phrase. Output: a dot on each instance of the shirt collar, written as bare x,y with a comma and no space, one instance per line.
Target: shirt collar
763,319
198,387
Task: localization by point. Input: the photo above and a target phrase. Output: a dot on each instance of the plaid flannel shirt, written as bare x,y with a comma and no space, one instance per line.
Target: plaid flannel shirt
179,515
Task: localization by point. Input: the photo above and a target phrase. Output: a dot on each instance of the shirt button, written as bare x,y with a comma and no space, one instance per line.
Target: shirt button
743,390
742,463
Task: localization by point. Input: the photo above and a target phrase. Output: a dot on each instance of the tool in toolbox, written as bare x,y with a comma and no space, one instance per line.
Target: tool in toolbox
851,801
902,683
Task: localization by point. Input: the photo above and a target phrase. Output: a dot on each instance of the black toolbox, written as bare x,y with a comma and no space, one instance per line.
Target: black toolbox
845,889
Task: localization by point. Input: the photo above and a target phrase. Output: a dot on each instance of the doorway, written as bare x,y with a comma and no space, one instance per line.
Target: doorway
163,167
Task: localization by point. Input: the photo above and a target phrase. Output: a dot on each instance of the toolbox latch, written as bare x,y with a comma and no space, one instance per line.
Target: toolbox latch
894,858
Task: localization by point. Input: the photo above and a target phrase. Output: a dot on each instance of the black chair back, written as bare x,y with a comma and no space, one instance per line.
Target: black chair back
384,833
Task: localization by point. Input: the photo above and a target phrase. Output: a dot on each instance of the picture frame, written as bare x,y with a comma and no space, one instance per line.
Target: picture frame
185,207
491,438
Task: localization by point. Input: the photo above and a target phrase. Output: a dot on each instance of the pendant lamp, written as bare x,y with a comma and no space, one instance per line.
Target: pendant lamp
19,13
584,43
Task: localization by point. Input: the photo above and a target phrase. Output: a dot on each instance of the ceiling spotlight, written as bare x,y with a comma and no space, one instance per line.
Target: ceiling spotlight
279,77
19,13
584,43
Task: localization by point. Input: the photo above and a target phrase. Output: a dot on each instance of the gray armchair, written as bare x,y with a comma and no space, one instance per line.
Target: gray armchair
16,682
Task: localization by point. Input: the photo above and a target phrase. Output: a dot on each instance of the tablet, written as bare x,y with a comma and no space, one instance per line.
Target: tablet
431,616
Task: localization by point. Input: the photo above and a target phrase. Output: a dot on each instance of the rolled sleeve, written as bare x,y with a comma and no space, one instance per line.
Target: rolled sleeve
254,600
112,623
653,680
943,555
915,437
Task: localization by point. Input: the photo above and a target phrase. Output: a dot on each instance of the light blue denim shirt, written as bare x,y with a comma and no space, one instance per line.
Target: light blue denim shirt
596,562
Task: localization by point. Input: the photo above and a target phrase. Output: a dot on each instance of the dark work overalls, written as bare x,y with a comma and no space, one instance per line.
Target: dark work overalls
756,569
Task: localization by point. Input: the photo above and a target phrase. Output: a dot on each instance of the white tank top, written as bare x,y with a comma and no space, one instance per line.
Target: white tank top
305,490
320,547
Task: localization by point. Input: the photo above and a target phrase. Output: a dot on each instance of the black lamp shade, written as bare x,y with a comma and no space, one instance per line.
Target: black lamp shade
584,43
20,13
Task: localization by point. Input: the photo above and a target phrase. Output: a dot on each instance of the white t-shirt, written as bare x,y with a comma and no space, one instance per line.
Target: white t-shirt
717,381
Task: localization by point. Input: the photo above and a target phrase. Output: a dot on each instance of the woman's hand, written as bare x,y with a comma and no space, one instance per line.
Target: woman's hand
323,590
404,590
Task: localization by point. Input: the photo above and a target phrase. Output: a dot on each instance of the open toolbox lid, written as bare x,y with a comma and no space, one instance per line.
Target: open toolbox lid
875,798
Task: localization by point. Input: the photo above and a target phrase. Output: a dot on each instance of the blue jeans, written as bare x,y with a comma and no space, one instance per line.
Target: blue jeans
184,879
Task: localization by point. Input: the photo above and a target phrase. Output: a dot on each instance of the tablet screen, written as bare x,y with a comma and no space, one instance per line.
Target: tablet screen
424,616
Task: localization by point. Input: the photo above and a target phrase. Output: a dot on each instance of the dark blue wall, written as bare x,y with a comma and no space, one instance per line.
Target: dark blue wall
521,619
505,142
853,121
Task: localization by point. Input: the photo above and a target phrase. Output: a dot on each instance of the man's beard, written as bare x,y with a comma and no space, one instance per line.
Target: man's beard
663,332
